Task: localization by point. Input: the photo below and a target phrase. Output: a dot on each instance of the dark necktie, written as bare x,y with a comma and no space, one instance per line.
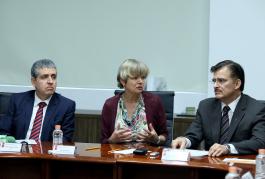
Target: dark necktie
37,122
224,125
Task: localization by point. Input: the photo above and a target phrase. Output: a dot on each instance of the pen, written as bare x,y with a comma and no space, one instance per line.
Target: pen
111,151
92,148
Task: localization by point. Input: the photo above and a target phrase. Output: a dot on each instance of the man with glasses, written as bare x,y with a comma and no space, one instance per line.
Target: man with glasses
230,123
34,114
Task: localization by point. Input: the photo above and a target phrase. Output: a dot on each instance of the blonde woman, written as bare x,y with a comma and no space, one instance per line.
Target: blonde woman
133,115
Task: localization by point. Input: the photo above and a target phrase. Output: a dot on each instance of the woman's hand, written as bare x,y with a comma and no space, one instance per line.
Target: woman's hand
120,135
149,135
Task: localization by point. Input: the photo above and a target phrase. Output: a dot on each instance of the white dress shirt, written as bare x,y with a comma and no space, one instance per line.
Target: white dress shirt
37,100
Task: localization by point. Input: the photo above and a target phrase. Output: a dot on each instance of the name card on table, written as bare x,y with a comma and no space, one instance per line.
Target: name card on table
175,154
10,147
29,141
63,149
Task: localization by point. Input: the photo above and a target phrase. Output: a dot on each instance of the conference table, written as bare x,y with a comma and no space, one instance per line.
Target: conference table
92,160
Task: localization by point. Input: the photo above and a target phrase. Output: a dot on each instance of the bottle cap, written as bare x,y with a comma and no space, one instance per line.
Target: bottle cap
262,151
57,126
232,169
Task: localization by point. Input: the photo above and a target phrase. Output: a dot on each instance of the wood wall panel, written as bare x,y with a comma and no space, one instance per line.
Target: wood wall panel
87,127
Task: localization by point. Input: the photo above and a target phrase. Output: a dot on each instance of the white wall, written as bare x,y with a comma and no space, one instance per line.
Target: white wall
88,39
92,100
237,32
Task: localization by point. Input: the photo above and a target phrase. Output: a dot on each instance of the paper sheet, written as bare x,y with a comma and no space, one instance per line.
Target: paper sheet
125,152
197,153
247,175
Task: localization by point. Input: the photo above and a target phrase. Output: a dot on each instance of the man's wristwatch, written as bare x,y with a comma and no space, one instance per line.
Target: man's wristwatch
228,148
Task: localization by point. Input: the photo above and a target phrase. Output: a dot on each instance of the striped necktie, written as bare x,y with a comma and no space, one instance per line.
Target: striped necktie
224,125
37,122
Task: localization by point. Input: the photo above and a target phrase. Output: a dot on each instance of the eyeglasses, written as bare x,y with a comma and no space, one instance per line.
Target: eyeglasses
219,81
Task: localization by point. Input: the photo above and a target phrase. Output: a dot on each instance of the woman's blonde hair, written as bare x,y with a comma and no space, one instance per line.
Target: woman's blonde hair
131,68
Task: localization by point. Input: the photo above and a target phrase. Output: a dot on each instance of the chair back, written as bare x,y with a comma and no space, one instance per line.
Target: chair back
262,101
167,98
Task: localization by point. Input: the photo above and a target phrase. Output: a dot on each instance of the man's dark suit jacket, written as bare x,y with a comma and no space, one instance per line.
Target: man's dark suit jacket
247,128
59,111
154,110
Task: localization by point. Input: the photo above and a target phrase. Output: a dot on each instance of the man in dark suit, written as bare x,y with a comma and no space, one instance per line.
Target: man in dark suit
27,119
230,123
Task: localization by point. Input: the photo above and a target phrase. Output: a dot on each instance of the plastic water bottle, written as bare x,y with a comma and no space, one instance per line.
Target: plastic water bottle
260,164
57,137
232,173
